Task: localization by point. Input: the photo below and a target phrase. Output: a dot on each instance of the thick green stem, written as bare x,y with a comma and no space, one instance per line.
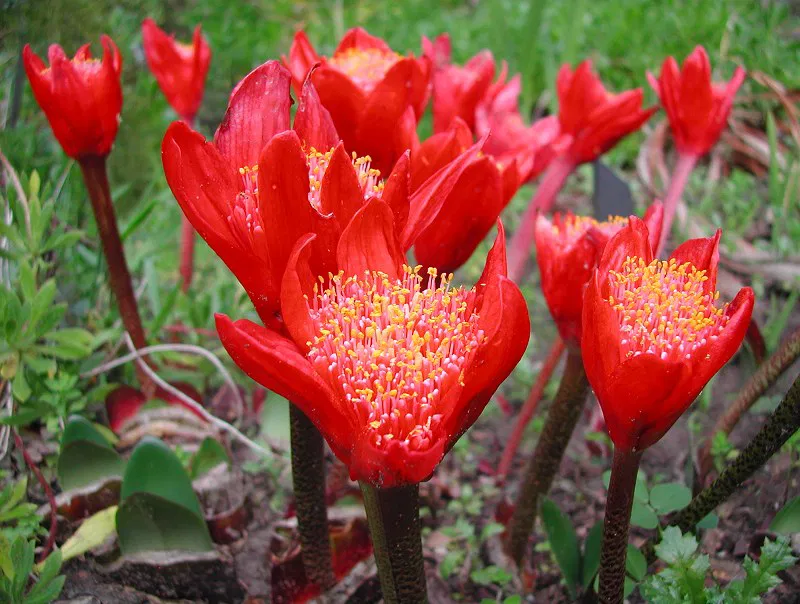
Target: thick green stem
96,180
393,516
616,525
308,476
543,466
781,425
764,377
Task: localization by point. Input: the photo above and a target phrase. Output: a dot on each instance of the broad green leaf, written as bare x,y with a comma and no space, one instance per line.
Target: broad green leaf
91,533
83,462
210,454
675,546
635,563
709,522
154,468
147,522
563,543
80,428
787,520
643,516
591,553
669,497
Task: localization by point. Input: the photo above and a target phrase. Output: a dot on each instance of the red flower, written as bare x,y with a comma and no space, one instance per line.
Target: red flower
497,116
652,334
390,366
81,98
567,250
593,120
473,205
124,403
259,187
374,95
457,90
180,69
697,108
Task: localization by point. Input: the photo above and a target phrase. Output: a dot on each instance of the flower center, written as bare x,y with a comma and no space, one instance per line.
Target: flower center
368,177
663,309
366,67
394,348
572,227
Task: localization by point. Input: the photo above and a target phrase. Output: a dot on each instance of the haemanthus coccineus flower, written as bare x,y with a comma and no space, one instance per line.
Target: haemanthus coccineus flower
697,108
82,97
568,249
180,69
374,95
593,120
260,186
653,335
391,365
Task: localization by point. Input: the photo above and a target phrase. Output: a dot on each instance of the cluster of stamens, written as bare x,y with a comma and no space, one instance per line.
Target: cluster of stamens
368,177
393,348
663,308
364,66
571,226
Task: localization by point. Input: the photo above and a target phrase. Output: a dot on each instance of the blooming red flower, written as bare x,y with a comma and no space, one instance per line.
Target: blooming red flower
180,69
497,117
593,120
374,95
697,108
473,205
652,334
457,90
391,367
260,186
81,98
567,250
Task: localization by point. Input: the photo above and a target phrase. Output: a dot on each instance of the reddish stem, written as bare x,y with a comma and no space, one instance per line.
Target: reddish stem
529,408
96,179
187,253
617,525
677,183
552,182
51,537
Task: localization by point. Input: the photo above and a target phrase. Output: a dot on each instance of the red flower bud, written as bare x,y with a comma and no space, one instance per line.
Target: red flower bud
180,69
593,120
653,335
697,108
374,95
81,98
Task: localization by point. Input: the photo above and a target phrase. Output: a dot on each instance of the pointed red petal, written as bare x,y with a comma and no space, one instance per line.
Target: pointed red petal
312,122
369,242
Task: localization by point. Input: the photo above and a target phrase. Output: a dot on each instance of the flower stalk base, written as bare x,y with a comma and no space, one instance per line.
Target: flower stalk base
96,180
308,476
393,516
616,525
187,253
677,183
546,459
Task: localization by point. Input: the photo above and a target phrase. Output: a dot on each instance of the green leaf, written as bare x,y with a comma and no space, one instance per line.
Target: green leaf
676,547
591,553
147,522
92,532
563,543
450,562
643,516
27,281
635,563
630,585
669,497
154,468
62,240
83,462
491,575
210,454
22,391
787,520
79,428
708,522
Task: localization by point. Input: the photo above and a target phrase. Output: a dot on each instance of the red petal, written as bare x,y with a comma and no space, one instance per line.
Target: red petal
630,240
343,99
369,243
465,218
276,363
358,37
122,404
257,111
439,150
703,254
496,266
312,122
341,192
600,335
302,57
654,219
296,289
394,465
396,190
